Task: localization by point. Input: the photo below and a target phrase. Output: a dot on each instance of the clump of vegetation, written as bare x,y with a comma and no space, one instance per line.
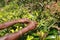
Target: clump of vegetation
46,13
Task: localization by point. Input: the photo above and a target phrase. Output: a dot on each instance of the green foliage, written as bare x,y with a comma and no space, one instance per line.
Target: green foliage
34,10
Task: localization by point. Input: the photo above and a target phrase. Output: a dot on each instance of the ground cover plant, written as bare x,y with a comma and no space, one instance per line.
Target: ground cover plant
45,12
